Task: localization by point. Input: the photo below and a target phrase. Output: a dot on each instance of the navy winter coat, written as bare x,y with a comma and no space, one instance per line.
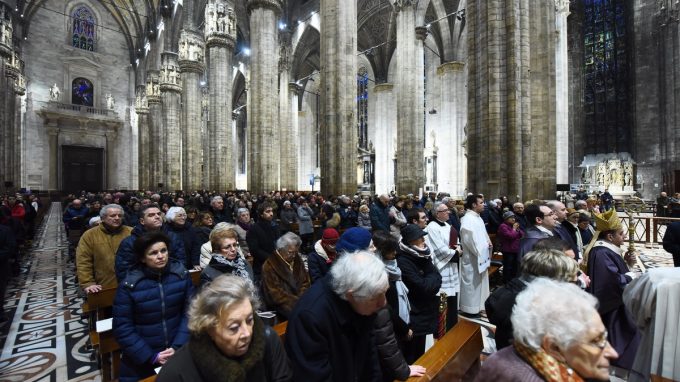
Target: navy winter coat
192,245
327,341
149,315
126,259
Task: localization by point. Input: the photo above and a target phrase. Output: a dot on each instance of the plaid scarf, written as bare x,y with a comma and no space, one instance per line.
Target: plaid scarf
547,366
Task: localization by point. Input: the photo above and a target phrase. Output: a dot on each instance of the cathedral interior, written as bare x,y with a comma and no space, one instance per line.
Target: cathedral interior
500,97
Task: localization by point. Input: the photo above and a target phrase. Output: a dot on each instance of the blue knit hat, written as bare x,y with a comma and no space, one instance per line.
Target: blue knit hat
353,239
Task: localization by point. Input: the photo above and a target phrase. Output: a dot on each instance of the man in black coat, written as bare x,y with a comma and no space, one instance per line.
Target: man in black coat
671,242
261,238
330,331
542,222
560,211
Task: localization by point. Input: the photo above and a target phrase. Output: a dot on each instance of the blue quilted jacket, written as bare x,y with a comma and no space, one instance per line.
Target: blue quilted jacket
149,311
125,256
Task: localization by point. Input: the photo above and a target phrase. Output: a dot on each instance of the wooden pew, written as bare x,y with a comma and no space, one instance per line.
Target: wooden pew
455,357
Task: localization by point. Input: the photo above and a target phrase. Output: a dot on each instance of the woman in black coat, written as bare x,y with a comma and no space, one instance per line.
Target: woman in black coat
423,282
228,340
391,325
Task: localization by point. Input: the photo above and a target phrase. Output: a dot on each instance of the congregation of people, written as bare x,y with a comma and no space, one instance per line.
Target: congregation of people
360,281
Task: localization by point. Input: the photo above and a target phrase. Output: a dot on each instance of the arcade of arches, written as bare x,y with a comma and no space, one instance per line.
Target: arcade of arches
500,97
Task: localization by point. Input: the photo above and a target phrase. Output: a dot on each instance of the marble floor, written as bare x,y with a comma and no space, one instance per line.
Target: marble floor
47,338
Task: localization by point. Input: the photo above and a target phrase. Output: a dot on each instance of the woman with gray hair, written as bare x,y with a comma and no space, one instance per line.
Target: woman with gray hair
284,278
228,342
328,337
559,336
177,223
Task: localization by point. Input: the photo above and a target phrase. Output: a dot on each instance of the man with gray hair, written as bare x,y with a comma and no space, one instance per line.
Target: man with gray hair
96,252
217,208
330,331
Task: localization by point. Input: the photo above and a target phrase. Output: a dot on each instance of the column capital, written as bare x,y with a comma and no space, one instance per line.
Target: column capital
169,78
451,66
295,88
384,87
401,4
52,130
274,5
220,24
191,51
562,6
421,33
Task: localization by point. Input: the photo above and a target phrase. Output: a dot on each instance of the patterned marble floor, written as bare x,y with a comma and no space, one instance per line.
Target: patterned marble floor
47,337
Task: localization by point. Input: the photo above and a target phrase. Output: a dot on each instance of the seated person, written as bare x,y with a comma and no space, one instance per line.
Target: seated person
149,319
563,341
284,278
225,258
228,342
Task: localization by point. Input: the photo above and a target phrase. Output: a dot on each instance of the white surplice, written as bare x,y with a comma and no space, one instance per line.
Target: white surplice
474,278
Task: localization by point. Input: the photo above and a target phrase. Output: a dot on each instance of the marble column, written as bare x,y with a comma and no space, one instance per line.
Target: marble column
263,118
290,174
385,136
220,39
6,93
511,98
294,94
338,150
562,93
452,112
288,142
16,88
155,121
410,109
171,98
192,65
53,143
143,152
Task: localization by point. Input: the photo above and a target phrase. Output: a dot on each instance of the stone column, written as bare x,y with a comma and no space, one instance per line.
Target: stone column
155,121
385,136
410,109
288,142
511,98
143,147
53,138
191,63
338,147
451,138
562,93
263,118
171,98
220,39
294,93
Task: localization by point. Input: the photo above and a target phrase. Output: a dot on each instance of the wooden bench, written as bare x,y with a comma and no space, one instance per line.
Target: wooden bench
455,357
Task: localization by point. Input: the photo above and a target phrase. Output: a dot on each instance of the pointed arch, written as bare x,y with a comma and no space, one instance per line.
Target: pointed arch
306,57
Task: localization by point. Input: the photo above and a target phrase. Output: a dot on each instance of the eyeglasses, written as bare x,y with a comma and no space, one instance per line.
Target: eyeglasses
229,247
440,211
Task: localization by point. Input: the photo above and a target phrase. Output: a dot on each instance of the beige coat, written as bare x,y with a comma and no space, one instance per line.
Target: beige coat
96,256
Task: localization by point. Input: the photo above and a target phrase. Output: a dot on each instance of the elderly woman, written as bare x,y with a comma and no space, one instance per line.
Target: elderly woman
563,341
550,263
364,218
149,319
508,235
228,340
284,278
225,257
177,223
206,248
202,226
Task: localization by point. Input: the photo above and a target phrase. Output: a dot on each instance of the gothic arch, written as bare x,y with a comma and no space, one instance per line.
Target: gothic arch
306,58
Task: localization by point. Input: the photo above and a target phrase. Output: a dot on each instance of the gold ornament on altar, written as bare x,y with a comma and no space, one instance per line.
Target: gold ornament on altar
633,206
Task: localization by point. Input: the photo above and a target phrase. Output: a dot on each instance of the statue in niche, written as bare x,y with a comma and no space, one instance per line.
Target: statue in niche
370,146
55,93
110,102
183,50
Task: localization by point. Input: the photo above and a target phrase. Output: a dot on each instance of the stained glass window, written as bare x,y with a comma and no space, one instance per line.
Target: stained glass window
82,92
83,31
362,107
607,116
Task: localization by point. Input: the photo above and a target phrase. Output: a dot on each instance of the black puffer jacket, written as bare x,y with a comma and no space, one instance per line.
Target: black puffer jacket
392,361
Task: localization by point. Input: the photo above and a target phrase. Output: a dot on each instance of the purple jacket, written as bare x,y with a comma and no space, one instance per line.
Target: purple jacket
508,238
507,365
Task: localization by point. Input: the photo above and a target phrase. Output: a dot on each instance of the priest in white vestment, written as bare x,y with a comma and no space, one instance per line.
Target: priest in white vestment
475,261
654,301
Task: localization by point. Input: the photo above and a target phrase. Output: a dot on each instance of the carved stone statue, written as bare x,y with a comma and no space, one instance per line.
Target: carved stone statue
110,102
55,93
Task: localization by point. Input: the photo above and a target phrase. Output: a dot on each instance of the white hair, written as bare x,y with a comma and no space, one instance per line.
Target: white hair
94,221
547,308
360,272
105,210
216,199
172,212
287,240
